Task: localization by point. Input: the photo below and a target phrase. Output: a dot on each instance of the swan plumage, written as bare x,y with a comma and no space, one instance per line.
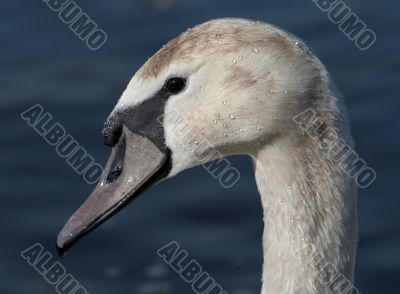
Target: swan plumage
246,81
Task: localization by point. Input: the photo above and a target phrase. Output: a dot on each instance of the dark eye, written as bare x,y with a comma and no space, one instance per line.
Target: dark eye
175,85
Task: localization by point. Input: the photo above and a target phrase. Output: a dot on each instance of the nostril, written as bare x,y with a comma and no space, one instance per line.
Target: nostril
117,164
114,174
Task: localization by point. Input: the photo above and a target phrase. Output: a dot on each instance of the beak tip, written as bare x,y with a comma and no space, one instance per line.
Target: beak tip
61,251
61,246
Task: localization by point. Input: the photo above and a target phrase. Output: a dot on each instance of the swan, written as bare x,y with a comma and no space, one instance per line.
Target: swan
233,86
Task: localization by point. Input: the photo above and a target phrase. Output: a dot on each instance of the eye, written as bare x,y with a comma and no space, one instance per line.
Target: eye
175,85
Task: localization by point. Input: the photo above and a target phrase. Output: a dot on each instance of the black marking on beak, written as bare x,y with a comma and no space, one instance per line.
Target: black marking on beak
112,130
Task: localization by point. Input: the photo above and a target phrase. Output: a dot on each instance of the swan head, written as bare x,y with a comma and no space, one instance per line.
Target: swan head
228,86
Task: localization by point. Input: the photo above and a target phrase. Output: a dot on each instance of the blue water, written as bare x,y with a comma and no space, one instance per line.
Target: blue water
42,61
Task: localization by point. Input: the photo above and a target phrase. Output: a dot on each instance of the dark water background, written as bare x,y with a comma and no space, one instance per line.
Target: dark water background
42,61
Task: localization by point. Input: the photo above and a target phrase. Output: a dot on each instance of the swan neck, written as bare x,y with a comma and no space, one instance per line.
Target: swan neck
310,226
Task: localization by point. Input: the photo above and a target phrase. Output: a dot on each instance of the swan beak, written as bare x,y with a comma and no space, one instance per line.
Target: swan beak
135,164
